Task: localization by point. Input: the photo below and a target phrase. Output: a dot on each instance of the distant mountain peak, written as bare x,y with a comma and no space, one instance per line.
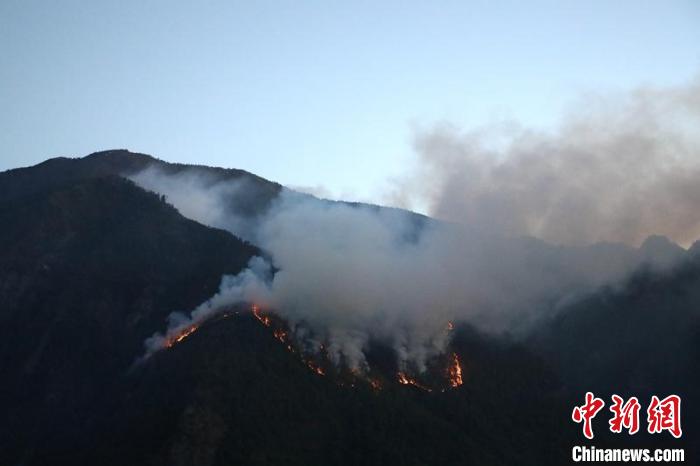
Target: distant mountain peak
120,153
660,250
660,243
694,249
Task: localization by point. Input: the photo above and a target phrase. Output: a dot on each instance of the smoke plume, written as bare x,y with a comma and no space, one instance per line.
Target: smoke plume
345,275
618,168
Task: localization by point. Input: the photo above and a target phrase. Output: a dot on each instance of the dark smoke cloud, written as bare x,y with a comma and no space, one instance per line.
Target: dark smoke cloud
618,168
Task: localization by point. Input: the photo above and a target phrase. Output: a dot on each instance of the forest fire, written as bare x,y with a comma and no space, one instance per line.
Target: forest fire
454,372
178,337
406,380
281,335
315,367
265,320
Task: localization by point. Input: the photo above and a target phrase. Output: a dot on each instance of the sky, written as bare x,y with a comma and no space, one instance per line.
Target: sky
314,93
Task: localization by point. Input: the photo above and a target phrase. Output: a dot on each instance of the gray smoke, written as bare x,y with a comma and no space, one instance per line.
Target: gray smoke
346,275
229,204
618,168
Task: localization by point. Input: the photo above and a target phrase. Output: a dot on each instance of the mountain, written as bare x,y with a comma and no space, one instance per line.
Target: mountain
91,264
661,251
639,339
88,270
62,171
231,394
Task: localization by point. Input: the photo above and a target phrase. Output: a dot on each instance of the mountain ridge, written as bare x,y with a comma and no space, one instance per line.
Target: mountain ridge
91,264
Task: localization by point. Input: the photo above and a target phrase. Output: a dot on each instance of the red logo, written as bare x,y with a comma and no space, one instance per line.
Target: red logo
661,415
665,415
625,415
587,412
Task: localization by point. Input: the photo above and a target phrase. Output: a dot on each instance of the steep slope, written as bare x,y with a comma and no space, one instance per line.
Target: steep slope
232,394
91,265
87,272
641,338
61,171
250,202
91,268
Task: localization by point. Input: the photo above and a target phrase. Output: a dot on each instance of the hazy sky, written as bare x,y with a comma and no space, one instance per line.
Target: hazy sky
309,93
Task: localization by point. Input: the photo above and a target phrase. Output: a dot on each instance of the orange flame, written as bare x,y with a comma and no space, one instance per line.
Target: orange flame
315,367
454,372
406,380
177,338
265,320
281,335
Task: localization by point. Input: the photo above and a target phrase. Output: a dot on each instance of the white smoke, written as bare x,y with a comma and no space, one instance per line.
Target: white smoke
618,168
250,283
197,194
346,275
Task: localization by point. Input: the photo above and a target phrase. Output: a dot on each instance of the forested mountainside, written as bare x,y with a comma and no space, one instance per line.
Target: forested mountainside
91,265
